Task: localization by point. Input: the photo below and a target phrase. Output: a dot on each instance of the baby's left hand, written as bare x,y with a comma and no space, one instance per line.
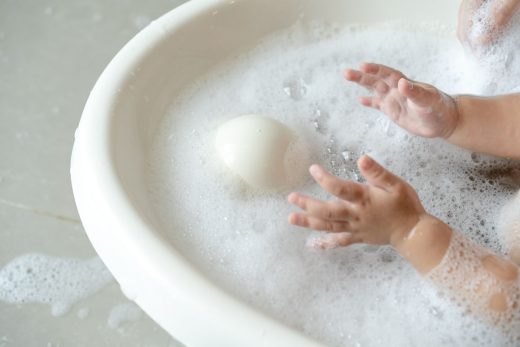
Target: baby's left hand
417,107
381,212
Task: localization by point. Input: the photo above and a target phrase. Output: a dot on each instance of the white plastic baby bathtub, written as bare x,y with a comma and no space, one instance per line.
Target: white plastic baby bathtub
116,129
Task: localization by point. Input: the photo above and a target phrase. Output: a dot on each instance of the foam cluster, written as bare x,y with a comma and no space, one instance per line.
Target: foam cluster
509,228
472,277
360,295
495,49
58,282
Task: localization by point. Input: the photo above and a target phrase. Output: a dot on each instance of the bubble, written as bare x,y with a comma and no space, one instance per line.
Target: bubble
436,312
472,286
320,120
295,89
475,157
347,155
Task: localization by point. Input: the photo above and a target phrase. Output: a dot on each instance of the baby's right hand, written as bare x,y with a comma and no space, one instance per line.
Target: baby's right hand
416,107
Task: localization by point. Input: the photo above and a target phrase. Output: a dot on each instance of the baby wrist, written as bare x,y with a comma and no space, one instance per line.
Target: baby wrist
455,115
399,236
425,245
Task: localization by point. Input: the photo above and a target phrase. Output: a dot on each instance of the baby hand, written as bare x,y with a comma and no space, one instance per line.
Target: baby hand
416,107
492,21
381,212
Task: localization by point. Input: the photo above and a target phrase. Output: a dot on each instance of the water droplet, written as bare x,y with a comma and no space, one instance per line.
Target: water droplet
320,120
355,176
317,125
347,155
295,89
436,312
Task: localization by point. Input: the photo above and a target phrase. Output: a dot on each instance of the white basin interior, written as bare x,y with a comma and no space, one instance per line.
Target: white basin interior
116,131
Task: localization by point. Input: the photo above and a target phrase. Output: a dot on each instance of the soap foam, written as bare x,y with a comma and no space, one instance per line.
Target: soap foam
58,282
509,228
463,276
360,295
498,61
123,313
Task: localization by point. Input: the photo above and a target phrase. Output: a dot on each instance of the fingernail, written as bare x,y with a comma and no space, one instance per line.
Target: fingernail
292,198
367,162
351,74
293,218
315,171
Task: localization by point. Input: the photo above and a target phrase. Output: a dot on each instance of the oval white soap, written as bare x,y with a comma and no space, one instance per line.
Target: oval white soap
254,147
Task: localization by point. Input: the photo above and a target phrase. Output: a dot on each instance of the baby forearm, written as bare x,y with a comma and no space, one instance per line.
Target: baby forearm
426,244
488,125
482,281
486,283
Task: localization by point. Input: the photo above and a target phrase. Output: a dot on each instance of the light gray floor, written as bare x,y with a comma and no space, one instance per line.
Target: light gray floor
51,53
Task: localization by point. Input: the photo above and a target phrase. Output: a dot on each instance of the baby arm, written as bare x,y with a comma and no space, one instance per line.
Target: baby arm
486,125
492,21
387,210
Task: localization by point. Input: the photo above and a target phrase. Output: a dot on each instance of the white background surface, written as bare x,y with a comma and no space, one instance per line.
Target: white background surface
51,54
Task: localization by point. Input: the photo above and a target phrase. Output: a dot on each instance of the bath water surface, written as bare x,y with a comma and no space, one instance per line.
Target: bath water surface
361,295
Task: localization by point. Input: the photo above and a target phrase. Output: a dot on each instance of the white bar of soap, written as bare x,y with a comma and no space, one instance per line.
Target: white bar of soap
254,147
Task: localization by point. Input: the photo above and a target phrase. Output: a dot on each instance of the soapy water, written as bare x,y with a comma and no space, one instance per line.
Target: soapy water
474,287
61,283
58,282
497,61
361,295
